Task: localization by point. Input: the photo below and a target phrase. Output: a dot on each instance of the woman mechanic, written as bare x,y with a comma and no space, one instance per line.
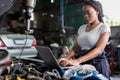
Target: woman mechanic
91,41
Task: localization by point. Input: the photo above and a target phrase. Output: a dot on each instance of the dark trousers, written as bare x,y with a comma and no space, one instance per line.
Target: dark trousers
102,66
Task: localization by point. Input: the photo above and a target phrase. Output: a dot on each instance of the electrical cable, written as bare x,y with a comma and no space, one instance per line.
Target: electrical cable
29,6
18,66
56,73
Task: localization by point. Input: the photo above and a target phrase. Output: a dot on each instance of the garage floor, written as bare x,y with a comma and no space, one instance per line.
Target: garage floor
115,77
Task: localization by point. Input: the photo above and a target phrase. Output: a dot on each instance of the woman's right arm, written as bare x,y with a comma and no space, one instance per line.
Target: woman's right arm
66,61
73,50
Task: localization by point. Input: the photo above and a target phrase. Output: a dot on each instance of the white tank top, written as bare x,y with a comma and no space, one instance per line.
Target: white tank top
87,40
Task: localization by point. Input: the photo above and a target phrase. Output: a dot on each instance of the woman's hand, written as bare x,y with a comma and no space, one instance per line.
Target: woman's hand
74,62
65,62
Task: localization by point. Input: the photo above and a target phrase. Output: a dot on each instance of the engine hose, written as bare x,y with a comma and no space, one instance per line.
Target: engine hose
21,73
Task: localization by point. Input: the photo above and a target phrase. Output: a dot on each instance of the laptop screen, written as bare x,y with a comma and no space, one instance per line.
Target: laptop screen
48,57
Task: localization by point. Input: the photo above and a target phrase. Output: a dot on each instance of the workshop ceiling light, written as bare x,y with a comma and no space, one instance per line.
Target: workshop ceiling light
51,15
52,1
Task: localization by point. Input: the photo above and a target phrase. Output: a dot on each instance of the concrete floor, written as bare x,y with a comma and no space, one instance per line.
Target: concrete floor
115,77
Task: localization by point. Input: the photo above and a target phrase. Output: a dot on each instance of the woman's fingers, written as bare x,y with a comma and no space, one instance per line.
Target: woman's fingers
63,61
60,60
74,62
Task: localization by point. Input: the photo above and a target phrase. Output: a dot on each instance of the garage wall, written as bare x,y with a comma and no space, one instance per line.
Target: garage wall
72,14
115,32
